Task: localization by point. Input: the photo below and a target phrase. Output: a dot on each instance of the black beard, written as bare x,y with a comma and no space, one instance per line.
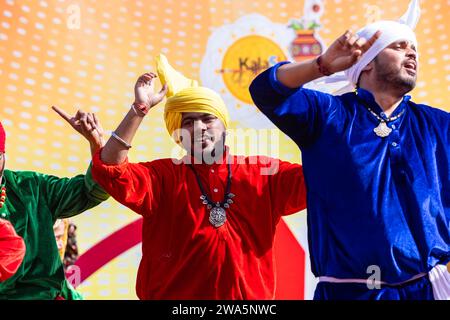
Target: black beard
392,79
401,83
215,154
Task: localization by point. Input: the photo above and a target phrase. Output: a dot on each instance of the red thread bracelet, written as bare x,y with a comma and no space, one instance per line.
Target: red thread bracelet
141,107
322,69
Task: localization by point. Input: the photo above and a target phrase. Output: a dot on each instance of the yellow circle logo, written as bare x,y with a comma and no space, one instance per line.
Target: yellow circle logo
244,60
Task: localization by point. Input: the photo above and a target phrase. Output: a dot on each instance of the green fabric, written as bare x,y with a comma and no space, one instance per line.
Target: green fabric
33,203
71,293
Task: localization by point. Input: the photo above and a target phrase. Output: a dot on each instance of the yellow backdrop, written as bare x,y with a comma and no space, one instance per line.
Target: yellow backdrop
87,54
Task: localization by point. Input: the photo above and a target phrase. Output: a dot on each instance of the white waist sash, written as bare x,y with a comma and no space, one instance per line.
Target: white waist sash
439,277
368,281
440,281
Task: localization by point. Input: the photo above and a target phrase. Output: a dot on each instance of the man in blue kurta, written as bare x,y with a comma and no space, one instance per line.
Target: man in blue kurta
376,165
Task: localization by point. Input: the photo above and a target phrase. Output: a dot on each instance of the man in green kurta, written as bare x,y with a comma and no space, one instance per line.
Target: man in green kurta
33,203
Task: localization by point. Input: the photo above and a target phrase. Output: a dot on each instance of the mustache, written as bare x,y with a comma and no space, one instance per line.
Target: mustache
202,136
193,138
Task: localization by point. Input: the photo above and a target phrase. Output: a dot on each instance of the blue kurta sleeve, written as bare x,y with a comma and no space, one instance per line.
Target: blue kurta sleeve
300,113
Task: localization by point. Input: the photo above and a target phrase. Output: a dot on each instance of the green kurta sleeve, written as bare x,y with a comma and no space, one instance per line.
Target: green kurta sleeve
33,202
67,197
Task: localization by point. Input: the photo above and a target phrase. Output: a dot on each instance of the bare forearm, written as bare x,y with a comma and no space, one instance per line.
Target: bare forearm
294,75
95,147
114,151
343,53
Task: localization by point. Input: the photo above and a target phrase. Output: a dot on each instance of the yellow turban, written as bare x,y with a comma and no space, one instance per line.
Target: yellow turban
184,95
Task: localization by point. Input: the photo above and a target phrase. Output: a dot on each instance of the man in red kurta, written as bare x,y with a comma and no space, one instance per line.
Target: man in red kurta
209,218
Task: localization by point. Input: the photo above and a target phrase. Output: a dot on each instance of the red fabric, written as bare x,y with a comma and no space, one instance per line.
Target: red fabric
2,138
12,250
184,256
290,265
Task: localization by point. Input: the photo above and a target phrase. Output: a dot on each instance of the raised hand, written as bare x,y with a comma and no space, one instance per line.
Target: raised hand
144,96
346,51
87,124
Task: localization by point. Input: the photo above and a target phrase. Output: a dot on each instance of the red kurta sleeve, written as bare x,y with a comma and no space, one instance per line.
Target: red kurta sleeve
135,185
12,250
287,186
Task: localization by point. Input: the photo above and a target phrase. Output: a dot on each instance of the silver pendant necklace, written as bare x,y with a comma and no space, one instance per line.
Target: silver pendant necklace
217,213
382,130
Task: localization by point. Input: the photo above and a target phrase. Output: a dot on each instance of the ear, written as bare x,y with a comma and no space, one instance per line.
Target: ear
368,67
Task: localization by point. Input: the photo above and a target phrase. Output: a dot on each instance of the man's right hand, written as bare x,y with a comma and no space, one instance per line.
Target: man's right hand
144,92
87,124
346,51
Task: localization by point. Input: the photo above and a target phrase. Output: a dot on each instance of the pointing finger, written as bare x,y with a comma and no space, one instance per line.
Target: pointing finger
62,113
344,38
371,41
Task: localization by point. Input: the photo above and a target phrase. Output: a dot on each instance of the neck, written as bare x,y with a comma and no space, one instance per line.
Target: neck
388,102
387,99
216,156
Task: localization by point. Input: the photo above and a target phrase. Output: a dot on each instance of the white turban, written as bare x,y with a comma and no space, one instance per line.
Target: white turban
391,31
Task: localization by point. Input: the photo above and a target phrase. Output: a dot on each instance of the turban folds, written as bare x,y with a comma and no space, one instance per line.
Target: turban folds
184,95
391,31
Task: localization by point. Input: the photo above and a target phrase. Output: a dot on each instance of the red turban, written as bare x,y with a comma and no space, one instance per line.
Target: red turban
2,138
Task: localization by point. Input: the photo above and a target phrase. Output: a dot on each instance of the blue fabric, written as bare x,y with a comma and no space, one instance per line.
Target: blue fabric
419,289
371,200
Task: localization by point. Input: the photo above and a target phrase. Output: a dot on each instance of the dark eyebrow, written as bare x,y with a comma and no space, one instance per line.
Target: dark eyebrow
404,43
203,116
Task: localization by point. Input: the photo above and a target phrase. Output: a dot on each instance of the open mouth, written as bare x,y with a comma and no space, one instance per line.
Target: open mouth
411,67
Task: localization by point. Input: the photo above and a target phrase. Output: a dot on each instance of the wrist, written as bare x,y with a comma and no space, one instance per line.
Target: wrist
140,108
323,66
95,146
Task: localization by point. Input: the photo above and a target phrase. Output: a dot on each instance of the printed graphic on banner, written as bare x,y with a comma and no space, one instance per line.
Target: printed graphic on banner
236,53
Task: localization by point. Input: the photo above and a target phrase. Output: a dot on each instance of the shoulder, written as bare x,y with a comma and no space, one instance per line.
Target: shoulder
430,113
34,178
20,177
349,97
158,163
256,163
23,181
162,166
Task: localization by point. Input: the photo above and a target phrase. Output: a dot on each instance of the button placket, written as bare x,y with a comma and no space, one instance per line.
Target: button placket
395,146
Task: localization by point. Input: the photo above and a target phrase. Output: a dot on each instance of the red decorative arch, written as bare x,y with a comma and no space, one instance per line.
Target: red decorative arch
289,257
